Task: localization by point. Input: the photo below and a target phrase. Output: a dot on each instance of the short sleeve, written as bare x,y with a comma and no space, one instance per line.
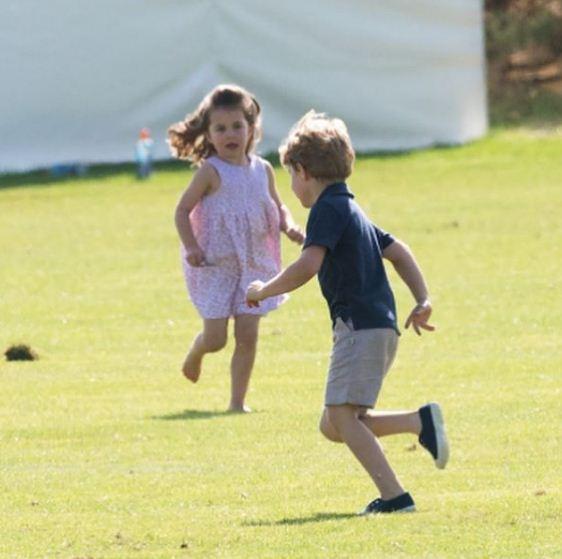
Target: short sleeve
384,239
324,227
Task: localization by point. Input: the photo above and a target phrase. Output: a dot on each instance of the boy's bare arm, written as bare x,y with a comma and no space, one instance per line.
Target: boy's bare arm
292,277
405,264
408,269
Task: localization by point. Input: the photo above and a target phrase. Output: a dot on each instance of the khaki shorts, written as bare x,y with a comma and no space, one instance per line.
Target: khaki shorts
359,362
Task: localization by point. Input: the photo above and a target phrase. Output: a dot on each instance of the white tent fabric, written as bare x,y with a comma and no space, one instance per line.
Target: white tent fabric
79,79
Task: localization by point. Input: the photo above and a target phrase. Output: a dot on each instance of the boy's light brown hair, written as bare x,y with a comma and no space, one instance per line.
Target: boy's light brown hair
321,145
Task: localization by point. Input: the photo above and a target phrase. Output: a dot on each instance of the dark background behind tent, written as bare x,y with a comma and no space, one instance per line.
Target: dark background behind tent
524,54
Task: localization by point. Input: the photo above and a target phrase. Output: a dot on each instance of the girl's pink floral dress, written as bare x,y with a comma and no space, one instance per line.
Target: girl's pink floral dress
237,227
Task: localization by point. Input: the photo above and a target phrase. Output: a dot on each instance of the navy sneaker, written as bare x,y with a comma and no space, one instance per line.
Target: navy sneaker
402,503
433,436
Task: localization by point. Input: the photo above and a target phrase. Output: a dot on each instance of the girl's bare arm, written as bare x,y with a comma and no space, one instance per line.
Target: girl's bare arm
203,182
287,223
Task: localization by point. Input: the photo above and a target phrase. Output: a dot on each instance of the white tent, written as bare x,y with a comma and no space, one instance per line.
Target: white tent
79,79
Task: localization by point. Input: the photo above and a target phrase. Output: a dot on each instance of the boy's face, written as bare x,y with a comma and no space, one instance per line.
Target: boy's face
300,183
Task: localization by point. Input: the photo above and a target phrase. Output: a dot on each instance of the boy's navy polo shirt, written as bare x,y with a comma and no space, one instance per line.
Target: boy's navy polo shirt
352,276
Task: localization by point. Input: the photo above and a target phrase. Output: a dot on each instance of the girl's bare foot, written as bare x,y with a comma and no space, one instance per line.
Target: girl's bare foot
239,409
192,367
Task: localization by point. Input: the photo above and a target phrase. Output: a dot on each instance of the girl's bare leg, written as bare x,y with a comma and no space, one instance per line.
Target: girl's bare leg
246,335
211,339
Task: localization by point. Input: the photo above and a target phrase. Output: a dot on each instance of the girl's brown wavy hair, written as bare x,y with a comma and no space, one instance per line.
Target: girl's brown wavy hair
188,138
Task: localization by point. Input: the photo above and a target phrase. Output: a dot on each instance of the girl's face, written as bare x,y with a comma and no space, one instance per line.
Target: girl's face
229,132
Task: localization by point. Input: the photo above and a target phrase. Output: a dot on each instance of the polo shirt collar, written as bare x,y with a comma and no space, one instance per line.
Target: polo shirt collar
335,189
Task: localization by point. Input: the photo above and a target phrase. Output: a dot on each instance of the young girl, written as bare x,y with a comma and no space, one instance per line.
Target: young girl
228,220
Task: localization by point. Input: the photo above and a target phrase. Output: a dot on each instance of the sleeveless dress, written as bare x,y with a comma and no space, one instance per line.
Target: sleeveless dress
237,227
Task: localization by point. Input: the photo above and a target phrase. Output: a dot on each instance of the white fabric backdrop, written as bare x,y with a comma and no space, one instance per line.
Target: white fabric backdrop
78,79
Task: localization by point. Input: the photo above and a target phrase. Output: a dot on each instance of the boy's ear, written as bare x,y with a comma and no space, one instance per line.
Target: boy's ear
300,170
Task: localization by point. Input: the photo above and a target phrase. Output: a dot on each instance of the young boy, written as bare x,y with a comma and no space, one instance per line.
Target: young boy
346,250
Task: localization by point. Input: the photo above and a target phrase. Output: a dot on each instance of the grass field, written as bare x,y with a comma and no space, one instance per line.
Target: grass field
106,452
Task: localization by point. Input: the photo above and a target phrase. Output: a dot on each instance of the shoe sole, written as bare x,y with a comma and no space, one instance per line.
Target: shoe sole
440,436
411,508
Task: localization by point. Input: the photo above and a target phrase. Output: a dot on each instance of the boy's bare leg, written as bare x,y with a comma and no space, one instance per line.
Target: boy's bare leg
366,448
383,423
246,335
380,423
211,339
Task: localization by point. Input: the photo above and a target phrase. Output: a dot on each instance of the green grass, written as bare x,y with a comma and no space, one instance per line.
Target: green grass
105,452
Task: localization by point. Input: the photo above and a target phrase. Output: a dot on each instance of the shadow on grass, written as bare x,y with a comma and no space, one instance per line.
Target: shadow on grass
298,521
188,415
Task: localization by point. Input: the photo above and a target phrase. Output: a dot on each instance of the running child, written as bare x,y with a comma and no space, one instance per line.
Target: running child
346,250
229,221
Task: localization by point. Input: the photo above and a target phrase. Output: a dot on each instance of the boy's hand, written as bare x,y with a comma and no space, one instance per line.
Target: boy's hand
295,233
419,316
253,293
195,256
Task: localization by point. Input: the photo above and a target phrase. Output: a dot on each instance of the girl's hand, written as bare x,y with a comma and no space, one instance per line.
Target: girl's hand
295,233
419,316
253,293
195,256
